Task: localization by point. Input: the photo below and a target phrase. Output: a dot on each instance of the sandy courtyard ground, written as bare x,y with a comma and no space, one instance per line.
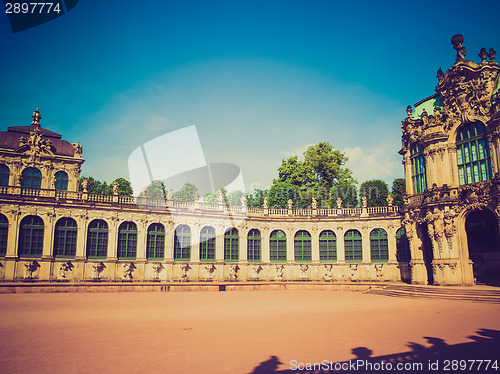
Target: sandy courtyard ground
227,332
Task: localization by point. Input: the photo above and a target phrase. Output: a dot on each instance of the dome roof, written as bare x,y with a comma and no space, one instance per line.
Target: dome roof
10,139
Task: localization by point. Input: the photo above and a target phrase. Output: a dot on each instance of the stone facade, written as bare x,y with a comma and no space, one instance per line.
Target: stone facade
450,148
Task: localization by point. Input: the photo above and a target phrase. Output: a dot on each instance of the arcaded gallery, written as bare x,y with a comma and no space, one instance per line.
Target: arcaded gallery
447,232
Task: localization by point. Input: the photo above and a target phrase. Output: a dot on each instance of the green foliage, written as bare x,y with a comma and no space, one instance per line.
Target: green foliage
376,192
234,198
213,197
345,191
322,175
155,190
124,187
280,193
256,200
398,190
94,186
186,193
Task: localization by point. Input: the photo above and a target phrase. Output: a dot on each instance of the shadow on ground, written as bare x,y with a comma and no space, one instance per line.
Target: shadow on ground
437,357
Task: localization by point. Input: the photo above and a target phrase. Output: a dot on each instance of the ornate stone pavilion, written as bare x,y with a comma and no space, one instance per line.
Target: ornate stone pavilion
451,158
447,233
50,231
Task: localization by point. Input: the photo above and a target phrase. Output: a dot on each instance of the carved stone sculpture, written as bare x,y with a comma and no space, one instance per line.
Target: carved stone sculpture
31,268
209,270
328,272
256,269
233,272
98,269
184,272
278,273
128,270
64,268
303,272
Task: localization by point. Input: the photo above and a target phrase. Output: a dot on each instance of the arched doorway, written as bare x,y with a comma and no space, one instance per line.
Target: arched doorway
427,253
483,243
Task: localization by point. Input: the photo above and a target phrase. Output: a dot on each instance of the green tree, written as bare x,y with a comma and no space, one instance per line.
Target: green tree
94,185
280,193
124,187
155,190
398,190
347,192
186,193
234,198
213,197
256,200
375,191
322,175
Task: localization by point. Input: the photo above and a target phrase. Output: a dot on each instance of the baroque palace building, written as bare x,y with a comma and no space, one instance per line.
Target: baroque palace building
446,234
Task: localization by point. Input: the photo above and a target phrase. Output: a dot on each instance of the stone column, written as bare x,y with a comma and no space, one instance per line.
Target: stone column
141,240
48,235
112,239
315,245
219,244
195,243
391,243
264,243
290,246
339,233
242,244
365,237
81,237
169,240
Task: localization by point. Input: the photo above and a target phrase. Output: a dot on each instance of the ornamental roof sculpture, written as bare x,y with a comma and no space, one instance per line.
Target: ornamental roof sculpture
467,92
37,141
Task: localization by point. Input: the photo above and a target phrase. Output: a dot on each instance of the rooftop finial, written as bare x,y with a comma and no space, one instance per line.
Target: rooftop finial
457,41
36,118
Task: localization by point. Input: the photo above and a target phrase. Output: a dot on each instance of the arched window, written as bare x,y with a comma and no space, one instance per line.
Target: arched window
207,244
418,169
231,245
353,246
327,246
155,249
31,237
61,181
127,241
97,239
253,246
473,154
403,253
32,178
302,246
182,243
379,250
65,238
277,246
4,175
4,232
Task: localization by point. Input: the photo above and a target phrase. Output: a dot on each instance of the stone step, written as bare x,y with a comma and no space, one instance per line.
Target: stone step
489,296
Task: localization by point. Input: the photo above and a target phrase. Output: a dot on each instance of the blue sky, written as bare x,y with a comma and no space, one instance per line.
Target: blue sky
261,80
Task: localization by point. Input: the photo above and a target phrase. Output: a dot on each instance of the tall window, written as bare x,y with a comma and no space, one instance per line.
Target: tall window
253,246
182,243
4,175
32,178
4,231
97,239
403,253
379,250
31,237
231,244
155,249
65,238
277,246
302,246
473,154
207,244
127,241
418,169
327,246
353,246
61,181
